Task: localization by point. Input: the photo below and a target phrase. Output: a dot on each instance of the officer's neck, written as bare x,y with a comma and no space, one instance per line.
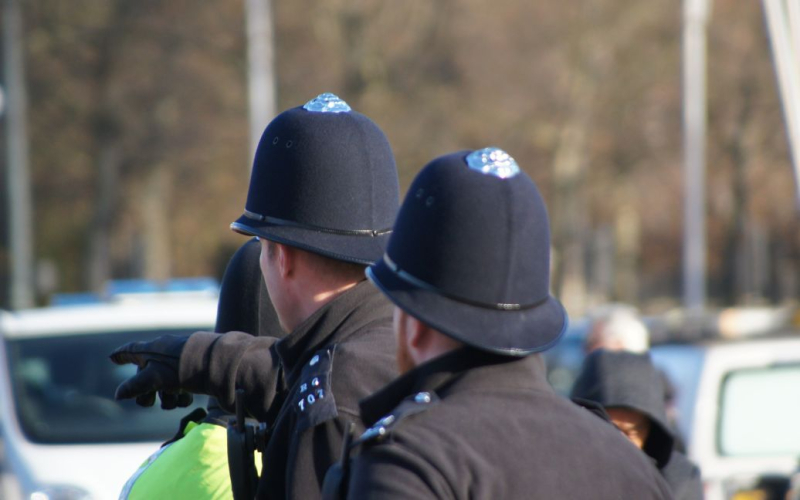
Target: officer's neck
308,296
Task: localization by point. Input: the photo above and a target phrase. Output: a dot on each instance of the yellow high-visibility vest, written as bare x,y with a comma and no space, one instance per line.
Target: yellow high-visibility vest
193,467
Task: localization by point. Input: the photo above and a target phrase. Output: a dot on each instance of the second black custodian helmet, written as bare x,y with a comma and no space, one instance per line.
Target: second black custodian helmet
470,255
324,180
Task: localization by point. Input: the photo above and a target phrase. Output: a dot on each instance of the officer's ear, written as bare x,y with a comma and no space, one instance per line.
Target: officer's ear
410,335
423,341
285,259
417,332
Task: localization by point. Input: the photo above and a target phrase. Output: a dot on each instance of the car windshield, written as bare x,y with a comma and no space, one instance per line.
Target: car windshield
759,412
64,391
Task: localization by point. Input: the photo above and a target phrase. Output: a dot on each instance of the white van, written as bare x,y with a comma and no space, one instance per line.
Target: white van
64,437
738,409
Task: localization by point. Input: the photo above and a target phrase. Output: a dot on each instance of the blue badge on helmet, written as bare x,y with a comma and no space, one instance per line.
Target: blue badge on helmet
327,103
493,161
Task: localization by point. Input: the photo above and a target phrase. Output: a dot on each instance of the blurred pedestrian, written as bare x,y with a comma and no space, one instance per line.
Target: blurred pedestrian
631,390
194,464
617,327
323,195
472,416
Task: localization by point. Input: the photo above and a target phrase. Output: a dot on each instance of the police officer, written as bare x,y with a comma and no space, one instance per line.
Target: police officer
194,463
322,198
473,416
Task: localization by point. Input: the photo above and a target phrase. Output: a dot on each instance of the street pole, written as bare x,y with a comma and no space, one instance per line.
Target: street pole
695,22
19,190
261,74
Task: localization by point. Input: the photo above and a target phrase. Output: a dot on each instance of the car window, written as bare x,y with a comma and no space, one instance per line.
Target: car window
64,391
759,411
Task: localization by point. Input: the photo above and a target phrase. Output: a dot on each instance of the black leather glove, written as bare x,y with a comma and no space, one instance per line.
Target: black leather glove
158,372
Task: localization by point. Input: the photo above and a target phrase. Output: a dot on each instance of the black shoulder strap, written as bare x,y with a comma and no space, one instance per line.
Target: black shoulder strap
196,416
335,485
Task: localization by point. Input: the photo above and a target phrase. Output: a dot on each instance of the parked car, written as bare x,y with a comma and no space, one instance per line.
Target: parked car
738,408
64,436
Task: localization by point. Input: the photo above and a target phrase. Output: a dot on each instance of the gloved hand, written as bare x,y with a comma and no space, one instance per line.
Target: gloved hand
158,372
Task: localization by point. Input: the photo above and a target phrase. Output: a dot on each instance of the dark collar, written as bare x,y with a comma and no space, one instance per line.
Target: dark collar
324,327
465,367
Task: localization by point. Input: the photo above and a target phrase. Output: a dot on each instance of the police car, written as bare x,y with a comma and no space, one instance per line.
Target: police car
64,437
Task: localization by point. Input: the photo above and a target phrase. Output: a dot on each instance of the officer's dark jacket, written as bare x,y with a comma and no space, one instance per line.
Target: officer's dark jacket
628,380
306,386
493,429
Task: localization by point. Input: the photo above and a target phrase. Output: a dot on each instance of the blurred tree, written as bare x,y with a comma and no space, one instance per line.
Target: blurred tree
139,137
139,128
751,201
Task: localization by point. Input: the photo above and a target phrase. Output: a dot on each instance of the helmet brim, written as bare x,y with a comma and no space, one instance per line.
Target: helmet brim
356,249
506,332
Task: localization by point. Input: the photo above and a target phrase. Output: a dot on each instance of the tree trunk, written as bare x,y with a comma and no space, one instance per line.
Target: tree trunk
157,261
98,267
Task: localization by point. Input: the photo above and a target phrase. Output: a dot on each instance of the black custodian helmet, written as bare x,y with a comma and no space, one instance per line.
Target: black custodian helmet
470,255
324,180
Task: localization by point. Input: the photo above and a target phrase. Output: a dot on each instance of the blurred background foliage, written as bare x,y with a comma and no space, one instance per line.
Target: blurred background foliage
139,141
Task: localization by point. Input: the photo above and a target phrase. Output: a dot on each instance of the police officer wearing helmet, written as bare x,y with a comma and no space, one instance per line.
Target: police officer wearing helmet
322,198
194,463
472,416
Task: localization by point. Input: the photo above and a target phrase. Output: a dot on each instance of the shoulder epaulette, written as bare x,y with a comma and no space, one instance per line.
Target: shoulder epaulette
313,400
412,405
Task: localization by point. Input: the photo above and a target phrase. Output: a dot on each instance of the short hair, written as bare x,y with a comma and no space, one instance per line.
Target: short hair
618,327
327,266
